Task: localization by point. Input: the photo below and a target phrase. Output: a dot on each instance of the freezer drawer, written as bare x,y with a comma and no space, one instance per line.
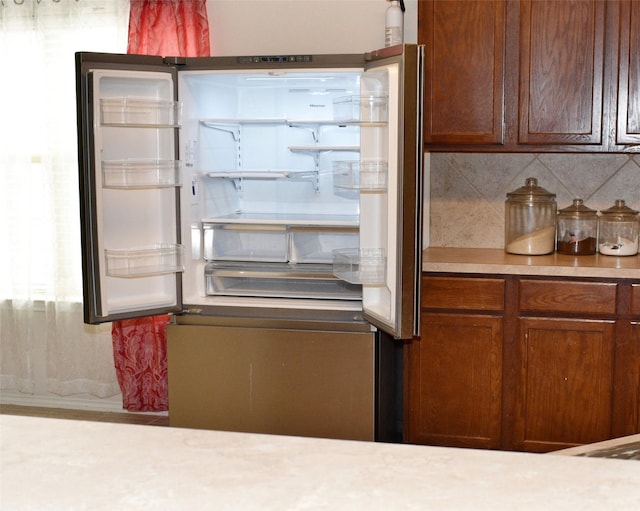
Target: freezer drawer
278,281
274,381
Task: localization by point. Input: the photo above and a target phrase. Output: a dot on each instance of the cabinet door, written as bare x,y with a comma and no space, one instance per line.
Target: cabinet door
628,118
561,72
464,70
565,389
454,380
627,410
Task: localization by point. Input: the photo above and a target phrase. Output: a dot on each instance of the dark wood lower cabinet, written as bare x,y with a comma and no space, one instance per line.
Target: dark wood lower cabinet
538,364
565,388
455,394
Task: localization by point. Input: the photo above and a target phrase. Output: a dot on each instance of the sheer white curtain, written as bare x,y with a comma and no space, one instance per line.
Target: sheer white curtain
44,346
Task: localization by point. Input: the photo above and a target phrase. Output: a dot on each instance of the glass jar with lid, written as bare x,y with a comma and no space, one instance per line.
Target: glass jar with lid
530,220
618,230
577,230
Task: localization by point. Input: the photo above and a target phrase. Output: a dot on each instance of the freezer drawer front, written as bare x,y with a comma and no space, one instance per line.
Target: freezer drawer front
286,382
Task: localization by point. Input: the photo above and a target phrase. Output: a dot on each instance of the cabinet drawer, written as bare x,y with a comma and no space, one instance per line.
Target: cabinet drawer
635,299
559,296
462,293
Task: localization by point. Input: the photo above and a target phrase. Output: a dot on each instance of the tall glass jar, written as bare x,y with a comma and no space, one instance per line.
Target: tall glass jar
618,230
577,232
530,220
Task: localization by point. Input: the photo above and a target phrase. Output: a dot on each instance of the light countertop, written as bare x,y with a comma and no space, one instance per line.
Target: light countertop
497,261
51,464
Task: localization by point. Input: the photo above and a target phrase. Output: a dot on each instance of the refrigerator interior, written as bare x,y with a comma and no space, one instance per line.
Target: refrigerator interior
255,185
278,167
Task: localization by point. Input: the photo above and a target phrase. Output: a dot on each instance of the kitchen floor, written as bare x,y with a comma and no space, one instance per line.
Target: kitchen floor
87,415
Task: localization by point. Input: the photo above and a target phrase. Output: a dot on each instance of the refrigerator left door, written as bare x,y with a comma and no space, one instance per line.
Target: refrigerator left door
129,192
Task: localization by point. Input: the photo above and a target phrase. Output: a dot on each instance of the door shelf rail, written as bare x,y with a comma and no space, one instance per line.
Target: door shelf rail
370,108
134,174
140,113
366,266
365,176
148,261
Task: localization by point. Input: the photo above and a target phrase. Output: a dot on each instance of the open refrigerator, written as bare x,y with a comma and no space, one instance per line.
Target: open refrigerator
280,191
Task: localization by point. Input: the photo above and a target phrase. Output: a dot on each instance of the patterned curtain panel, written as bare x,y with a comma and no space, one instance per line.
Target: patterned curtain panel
169,28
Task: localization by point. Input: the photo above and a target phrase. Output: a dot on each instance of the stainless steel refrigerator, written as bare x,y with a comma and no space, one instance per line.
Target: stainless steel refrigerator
272,205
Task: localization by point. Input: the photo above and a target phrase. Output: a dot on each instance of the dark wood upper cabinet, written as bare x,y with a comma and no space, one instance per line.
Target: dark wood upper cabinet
531,75
561,72
627,18
464,70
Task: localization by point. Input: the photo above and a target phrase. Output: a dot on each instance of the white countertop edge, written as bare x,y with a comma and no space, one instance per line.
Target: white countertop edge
539,271
496,261
51,464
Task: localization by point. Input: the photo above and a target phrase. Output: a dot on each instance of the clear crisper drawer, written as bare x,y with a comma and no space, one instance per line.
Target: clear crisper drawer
360,175
371,108
145,261
316,244
140,112
241,242
278,280
140,173
366,266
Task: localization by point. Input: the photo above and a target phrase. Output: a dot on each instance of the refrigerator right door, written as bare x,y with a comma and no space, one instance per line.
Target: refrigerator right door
391,189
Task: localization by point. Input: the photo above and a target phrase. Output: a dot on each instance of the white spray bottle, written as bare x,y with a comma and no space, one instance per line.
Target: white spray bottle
394,23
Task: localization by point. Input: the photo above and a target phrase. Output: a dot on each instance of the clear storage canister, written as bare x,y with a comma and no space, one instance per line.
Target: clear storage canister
530,220
577,232
618,230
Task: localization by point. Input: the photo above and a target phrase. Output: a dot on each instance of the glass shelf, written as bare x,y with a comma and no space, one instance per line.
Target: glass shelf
214,122
322,149
140,173
263,174
157,259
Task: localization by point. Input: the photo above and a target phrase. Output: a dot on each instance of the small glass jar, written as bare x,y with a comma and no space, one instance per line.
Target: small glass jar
618,230
530,220
577,230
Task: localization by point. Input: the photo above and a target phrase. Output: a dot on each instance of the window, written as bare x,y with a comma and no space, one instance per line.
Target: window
39,213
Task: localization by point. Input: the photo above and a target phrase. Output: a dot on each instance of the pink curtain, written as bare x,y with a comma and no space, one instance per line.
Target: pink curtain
168,28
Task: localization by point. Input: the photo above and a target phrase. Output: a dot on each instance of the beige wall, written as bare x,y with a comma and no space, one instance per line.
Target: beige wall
258,27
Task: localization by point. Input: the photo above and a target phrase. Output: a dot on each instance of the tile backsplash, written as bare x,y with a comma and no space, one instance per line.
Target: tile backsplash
468,190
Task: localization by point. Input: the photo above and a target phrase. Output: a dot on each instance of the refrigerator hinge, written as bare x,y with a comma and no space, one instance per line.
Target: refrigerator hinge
174,61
